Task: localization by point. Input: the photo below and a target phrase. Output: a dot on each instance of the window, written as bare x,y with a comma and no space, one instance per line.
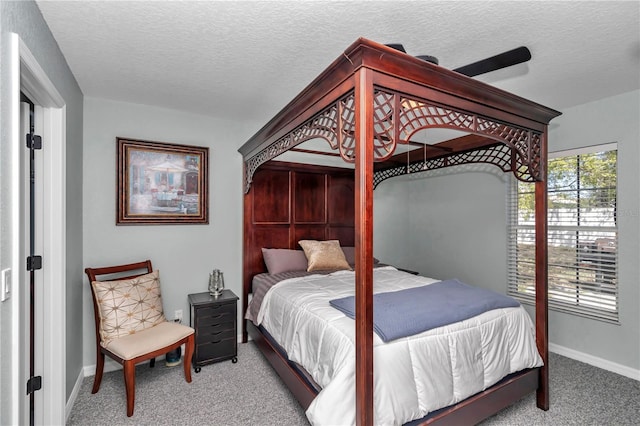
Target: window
582,234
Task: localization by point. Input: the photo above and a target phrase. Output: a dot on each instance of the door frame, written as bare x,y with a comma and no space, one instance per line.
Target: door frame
28,76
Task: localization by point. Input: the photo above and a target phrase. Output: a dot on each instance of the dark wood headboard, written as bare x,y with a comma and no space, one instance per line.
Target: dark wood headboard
289,202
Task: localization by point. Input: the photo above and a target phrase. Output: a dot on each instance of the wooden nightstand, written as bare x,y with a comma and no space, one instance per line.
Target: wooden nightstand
214,320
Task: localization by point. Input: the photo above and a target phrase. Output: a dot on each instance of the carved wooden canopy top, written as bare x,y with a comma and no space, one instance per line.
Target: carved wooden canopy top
408,95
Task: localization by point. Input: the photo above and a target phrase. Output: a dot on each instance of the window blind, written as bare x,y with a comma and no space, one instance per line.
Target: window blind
582,235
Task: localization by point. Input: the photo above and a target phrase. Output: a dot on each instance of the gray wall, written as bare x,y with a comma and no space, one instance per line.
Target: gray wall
184,254
616,119
456,226
392,223
24,18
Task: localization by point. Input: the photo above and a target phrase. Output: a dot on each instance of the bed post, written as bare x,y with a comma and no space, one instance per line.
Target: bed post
246,244
542,310
364,246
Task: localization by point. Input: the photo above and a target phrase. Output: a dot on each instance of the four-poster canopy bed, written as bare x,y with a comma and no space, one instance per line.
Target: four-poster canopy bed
367,103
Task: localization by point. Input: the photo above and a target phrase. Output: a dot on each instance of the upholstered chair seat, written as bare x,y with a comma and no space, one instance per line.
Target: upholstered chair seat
149,340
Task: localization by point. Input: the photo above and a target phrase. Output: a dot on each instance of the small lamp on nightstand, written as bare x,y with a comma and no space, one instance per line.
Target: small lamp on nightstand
216,282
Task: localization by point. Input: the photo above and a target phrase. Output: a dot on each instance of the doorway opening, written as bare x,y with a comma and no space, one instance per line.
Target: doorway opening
49,321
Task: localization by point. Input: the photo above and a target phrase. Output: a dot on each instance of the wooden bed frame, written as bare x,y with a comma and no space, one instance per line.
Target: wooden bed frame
366,102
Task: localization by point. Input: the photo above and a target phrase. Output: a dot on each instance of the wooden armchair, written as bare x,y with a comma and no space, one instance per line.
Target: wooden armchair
130,323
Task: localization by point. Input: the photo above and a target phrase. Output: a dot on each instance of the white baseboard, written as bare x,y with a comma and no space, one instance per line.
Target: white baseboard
595,361
74,395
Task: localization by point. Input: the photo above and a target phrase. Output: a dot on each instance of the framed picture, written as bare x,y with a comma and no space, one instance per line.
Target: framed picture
161,183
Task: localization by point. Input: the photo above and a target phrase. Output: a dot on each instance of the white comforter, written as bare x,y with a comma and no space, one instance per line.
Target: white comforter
412,376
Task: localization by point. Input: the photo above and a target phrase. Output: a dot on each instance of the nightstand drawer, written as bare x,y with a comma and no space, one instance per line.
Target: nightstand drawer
207,317
216,310
216,328
215,334
213,351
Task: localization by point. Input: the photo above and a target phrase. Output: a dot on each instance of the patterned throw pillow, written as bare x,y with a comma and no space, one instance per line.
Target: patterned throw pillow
324,255
128,306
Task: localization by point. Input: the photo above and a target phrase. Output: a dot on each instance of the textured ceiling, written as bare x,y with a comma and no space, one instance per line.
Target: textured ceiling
246,60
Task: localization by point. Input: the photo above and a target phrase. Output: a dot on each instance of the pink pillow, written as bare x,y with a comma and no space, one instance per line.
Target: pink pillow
283,260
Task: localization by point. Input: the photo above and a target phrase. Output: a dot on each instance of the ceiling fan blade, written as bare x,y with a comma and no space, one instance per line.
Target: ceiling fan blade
396,46
428,58
503,60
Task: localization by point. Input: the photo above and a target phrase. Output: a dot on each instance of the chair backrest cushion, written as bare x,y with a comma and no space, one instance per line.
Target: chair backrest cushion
128,306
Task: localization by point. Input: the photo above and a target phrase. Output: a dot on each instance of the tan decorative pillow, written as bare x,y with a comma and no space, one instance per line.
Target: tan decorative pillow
128,306
323,255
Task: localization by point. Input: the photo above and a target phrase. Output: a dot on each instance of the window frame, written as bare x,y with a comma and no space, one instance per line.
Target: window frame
600,297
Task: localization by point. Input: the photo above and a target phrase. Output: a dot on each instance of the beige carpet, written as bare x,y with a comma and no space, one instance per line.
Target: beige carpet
250,393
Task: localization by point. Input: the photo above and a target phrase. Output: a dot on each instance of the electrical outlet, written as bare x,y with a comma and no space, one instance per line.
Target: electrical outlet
5,292
177,316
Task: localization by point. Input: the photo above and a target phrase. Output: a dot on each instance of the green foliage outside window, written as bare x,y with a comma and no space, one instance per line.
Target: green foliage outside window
587,181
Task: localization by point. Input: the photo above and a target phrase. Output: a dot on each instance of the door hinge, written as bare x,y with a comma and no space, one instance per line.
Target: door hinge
34,263
34,141
34,384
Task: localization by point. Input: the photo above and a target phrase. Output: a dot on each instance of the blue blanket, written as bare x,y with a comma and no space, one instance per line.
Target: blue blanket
414,310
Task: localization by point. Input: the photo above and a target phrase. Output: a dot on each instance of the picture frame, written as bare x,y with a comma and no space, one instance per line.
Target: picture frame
161,183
